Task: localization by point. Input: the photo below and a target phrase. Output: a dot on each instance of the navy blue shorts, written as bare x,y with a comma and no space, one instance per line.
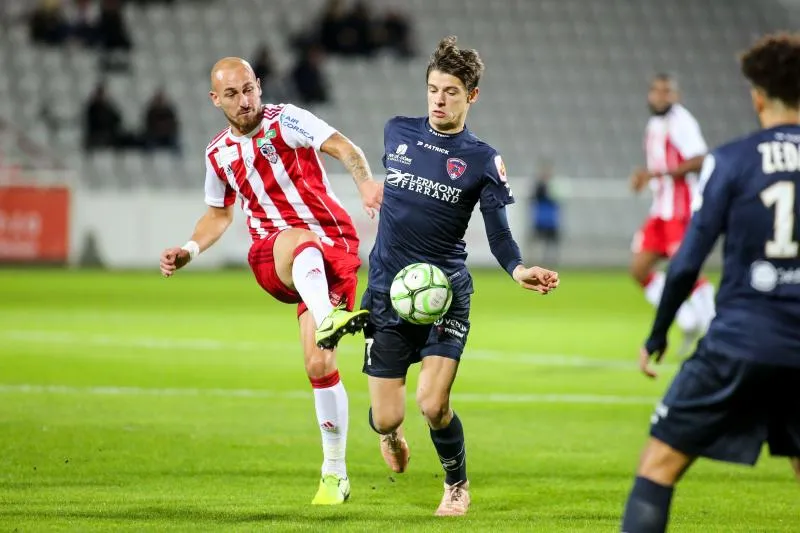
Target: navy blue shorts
726,409
393,345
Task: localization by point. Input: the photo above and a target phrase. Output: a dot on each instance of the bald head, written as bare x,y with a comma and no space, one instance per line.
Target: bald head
237,92
230,67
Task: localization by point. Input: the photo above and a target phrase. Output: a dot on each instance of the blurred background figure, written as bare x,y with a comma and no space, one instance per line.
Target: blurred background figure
102,122
308,78
113,37
161,124
545,215
47,24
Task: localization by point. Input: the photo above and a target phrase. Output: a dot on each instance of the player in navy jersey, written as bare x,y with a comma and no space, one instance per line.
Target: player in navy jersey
436,172
740,388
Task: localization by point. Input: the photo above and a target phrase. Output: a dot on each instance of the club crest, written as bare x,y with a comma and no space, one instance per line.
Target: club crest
269,152
456,168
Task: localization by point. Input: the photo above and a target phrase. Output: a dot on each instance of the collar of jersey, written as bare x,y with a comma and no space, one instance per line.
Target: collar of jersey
246,136
433,134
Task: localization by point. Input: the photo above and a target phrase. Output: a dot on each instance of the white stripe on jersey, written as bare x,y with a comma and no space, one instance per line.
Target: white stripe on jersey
286,184
332,196
257,184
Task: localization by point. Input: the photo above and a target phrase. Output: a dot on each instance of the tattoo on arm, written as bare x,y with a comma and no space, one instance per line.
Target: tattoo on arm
356,163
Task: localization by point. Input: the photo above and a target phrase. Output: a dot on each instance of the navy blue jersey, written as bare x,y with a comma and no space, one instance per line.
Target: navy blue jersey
433,182
750,191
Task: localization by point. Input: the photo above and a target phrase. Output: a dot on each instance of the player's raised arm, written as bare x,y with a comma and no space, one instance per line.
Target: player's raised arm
705,228
353,159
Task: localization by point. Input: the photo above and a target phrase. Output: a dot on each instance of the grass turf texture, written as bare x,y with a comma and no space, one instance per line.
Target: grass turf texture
129,402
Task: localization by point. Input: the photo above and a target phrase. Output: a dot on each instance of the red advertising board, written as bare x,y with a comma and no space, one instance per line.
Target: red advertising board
34,224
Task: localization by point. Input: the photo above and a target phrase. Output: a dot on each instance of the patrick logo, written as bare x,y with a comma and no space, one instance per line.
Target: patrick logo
456,168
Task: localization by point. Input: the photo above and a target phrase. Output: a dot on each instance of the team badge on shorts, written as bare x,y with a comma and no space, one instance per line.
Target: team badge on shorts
268,151
456,168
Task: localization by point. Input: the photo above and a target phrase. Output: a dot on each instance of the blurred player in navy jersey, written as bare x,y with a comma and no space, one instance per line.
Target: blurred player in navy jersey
437,171
741,387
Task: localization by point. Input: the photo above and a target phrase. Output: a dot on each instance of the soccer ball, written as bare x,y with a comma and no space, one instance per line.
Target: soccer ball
421,293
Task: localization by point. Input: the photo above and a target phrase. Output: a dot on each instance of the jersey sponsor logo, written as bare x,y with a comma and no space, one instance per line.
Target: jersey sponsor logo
765,277
399,155
451,327
456,168
426,187
437,134
292,123
433,148
269,152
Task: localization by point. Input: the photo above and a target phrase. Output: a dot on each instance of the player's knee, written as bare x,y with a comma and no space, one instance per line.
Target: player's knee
304,236
318,364
435,409
662,463
386,420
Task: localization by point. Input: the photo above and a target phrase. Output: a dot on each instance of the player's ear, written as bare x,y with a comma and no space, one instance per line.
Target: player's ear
258,85
214,98
472,97
758,97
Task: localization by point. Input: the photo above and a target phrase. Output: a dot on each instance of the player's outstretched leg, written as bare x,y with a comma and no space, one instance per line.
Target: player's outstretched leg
331,405
385,418
300,265
433,397
647,508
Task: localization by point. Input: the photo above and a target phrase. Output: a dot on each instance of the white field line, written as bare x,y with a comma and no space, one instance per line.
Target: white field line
157,343
493,398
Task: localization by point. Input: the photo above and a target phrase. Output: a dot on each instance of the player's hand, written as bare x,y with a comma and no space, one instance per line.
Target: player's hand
172,259
652,349
639,179
536,279
371,196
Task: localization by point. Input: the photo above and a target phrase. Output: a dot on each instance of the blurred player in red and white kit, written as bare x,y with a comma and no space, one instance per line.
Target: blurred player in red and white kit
305,247
675,149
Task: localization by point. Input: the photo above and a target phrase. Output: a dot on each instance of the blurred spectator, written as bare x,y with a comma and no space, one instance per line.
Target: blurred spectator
360,30
545,214
307,76
48,24
395,34
82,18
348,33
332,26
113,36
161,124
103,123
263,64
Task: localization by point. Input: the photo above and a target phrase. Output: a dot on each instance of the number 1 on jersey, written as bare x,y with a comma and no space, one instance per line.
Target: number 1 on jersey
782,195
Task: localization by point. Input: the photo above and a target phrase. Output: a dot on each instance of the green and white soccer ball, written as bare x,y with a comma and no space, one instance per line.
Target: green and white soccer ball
421,293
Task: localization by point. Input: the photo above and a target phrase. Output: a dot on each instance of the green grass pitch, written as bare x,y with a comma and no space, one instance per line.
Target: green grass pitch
131,403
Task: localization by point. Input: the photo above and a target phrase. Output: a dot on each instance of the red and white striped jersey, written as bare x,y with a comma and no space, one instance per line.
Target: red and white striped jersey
670,140
278,177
